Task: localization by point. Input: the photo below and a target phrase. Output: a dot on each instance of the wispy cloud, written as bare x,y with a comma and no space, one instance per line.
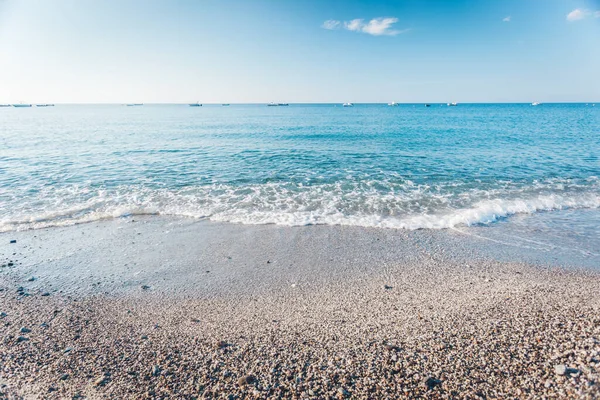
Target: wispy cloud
375,27
579,14
506,19
331,24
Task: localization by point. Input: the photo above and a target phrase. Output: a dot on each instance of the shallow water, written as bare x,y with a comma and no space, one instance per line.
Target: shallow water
370,165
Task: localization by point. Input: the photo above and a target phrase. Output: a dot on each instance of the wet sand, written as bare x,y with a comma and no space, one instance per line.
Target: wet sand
173,308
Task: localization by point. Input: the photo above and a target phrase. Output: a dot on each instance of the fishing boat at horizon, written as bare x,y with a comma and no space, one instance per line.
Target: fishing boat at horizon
348,105
196,104
134,104
21,105
452,104
535,103
44,105
393,104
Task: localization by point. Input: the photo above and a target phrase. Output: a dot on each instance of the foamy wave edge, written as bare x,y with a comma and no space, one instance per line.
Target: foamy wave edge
481,213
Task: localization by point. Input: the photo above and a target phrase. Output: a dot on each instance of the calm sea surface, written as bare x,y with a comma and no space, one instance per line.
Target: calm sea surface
408,167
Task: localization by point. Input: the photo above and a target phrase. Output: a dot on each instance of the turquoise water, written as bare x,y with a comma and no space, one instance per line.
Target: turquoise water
407,167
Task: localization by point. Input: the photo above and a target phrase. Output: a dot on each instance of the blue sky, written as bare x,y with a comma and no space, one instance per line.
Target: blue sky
299,51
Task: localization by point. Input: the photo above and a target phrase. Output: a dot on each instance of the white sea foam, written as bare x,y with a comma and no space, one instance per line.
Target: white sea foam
365,203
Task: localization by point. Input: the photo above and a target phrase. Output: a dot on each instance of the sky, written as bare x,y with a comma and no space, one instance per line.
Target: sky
255,51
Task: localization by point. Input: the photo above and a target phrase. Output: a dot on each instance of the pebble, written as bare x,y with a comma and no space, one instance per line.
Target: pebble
13,241
145,287
155,370
246,380
22,339
3,314
45,294
64,377
430,382
25,330
387,287
31,279
100,381
560,369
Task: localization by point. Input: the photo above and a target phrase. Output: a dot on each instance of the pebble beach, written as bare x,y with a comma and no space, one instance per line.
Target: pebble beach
278,312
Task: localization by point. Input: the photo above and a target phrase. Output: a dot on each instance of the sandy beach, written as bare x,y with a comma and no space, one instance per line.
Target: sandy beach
174,308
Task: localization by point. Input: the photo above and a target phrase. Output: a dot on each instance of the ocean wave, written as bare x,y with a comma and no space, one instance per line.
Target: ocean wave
401,205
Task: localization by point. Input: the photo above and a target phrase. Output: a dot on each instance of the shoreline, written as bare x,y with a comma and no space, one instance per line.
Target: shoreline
126,309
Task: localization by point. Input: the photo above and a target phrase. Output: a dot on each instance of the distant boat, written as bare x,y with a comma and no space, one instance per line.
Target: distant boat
393,104
225,105
271,104
535,103
195,105
134,104
452,104
282,104
20,105
348,105
4,105
44,105
427,105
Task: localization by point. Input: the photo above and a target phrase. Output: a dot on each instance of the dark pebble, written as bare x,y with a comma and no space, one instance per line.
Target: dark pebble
431,382
247,380
13,241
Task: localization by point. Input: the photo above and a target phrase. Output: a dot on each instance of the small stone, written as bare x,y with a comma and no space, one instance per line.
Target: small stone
31,279
22,339
145,287
100,381
246,380
430,382
155,370
268,261
67,350
64,377
560,369
45,294
13,241
3,314
10,264
343,392
144,337
43,325
221,344
25,330
387,287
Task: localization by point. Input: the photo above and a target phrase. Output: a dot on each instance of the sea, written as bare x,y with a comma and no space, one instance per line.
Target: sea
520,175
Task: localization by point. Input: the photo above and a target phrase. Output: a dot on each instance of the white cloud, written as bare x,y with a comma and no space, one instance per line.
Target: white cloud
597,14
354,25
331,24
577,14
375,27
506,19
